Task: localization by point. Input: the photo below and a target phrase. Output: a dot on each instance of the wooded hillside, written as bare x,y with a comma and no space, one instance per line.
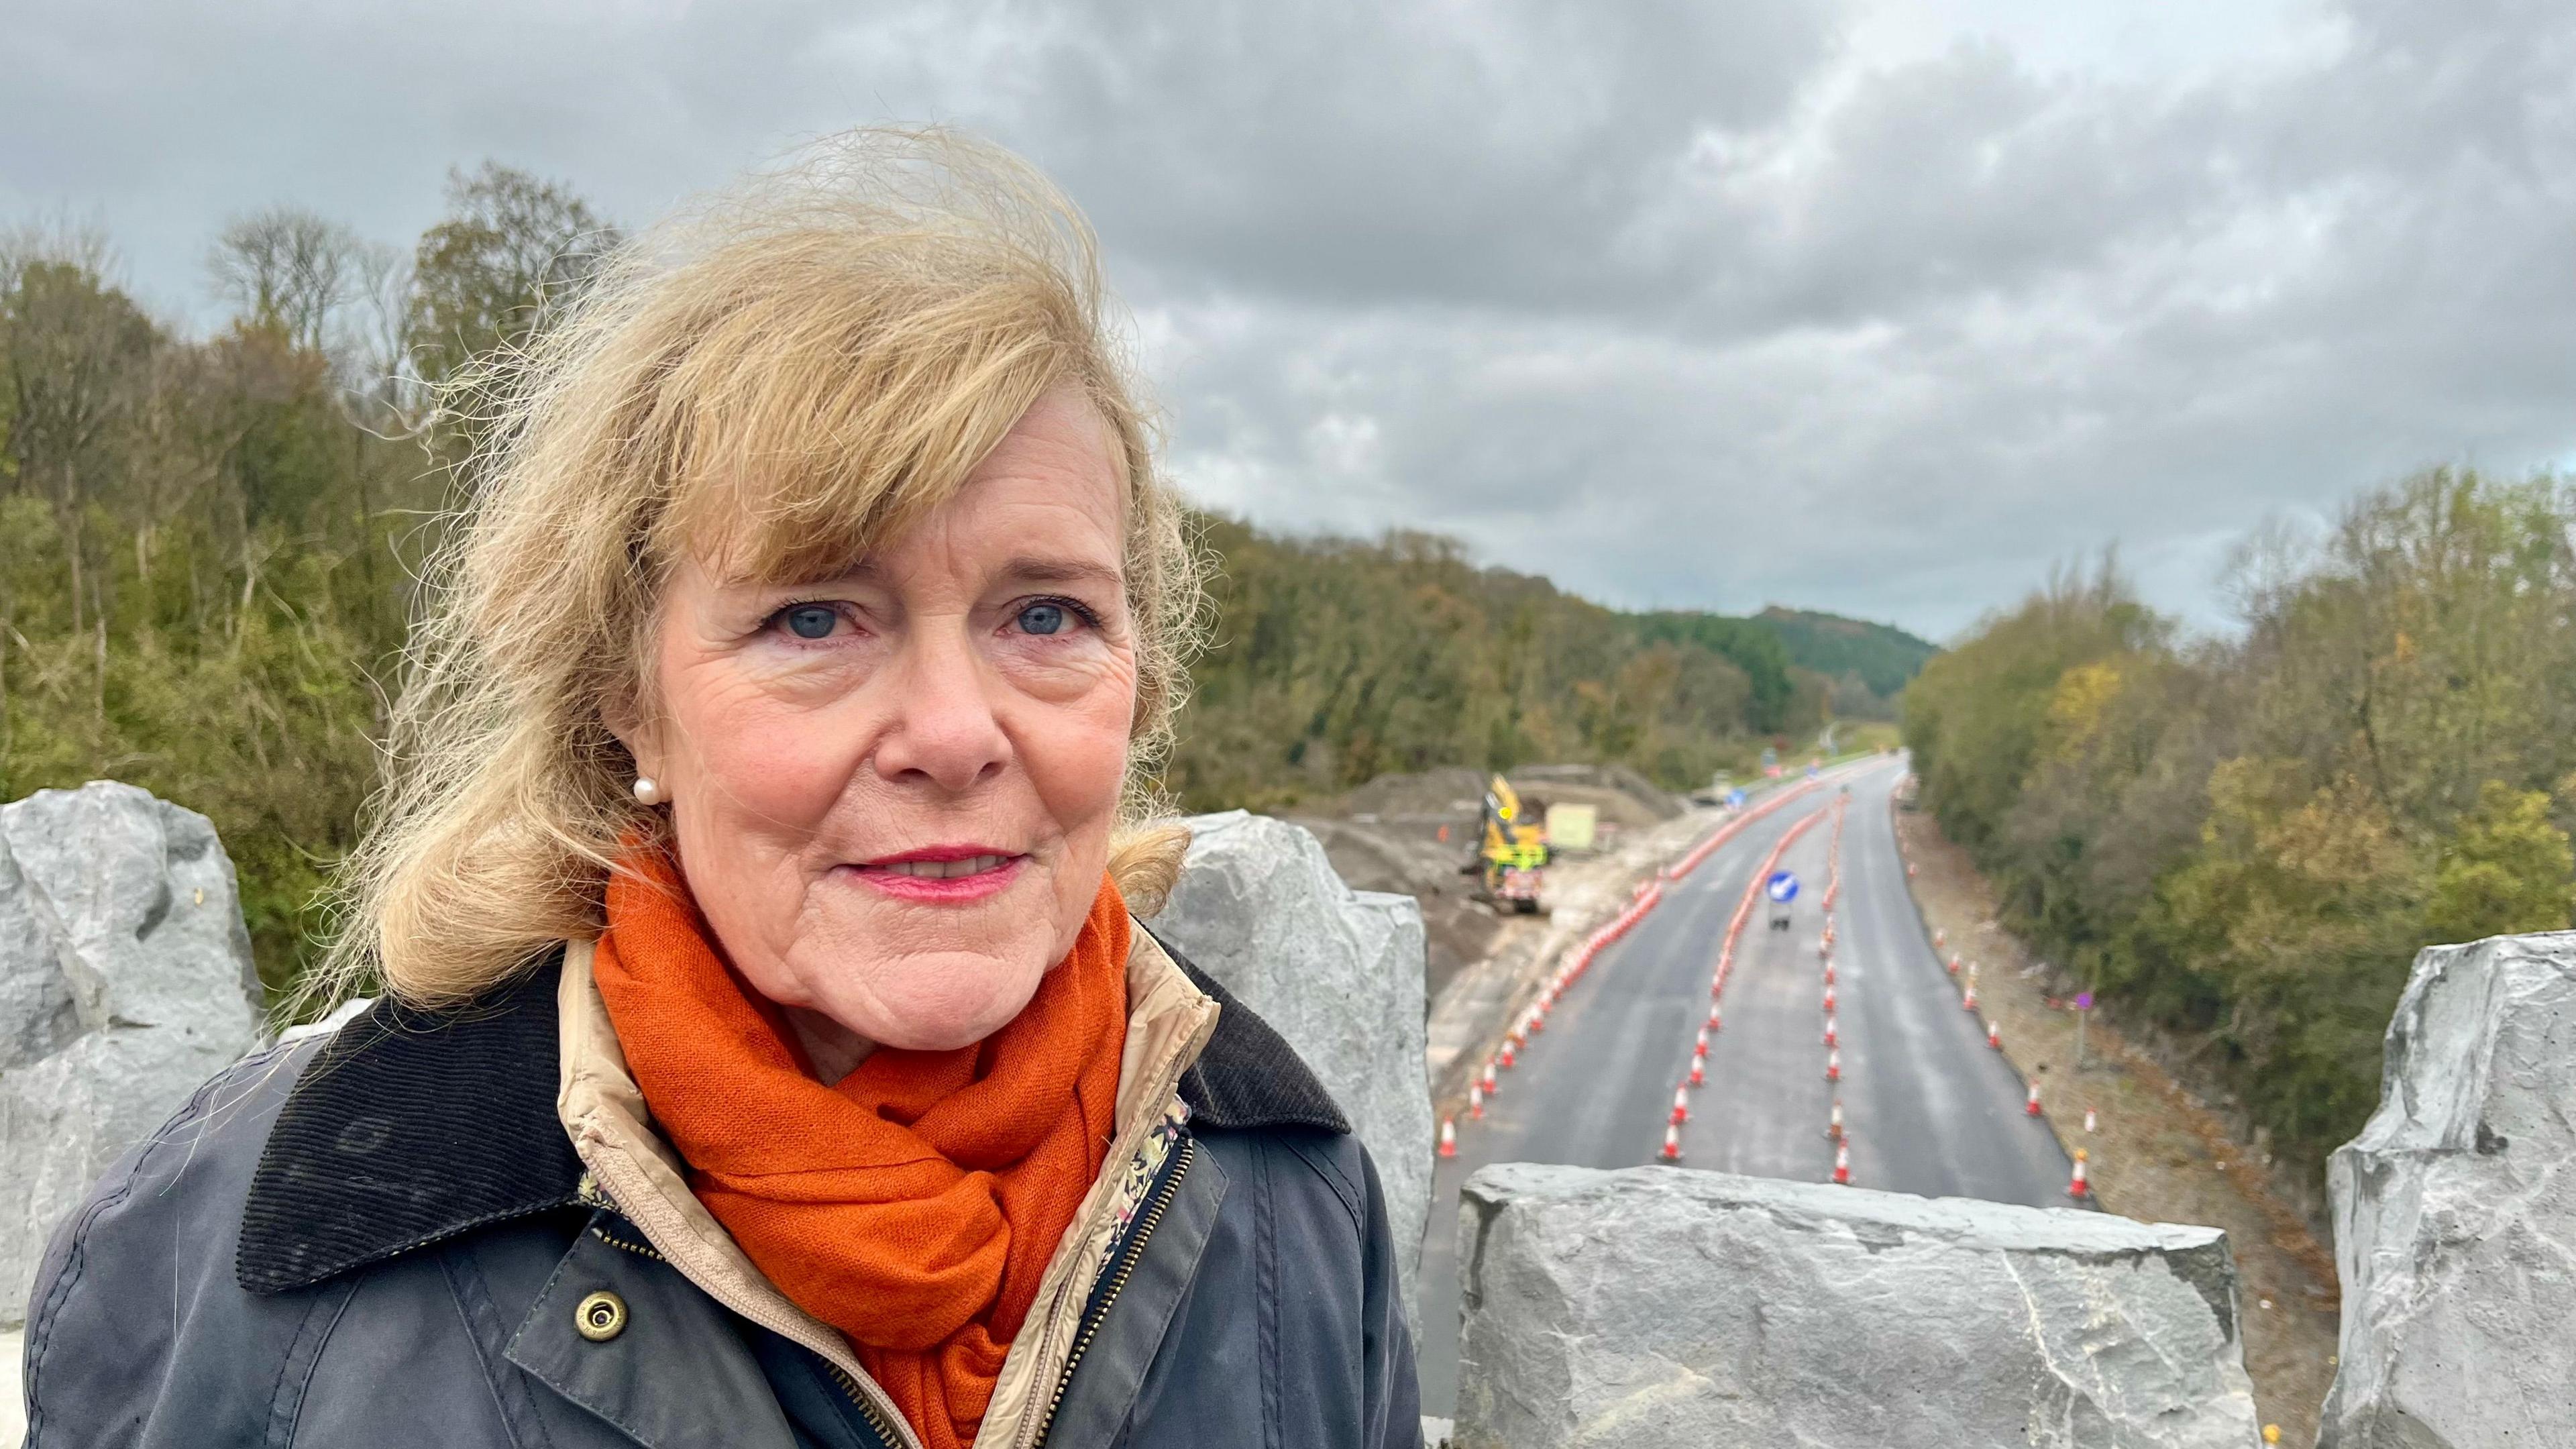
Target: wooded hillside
208,548
2248,839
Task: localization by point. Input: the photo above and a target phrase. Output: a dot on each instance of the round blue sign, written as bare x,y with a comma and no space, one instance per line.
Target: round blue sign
1782,886
1735,799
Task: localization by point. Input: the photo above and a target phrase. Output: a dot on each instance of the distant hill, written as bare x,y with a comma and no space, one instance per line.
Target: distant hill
1884,657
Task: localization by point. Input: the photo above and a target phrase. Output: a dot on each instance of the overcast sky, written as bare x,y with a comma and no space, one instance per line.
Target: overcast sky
1876,306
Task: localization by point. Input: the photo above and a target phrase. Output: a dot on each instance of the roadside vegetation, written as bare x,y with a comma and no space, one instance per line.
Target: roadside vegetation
210,547
2245,840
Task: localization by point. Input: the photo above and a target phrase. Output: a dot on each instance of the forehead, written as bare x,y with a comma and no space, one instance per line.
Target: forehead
1054,486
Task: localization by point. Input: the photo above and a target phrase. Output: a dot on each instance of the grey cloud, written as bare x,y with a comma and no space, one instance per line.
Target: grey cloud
1680,304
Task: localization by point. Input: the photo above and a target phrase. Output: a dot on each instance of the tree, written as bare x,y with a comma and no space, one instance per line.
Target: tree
511,251
288,269
2504,870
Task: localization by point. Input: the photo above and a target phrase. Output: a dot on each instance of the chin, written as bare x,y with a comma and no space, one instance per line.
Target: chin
947,1003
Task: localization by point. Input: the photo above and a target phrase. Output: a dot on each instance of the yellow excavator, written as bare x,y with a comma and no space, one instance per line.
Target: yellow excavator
1515,852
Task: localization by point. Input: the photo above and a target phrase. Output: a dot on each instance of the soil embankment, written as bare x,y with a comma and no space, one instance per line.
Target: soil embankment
2159,1150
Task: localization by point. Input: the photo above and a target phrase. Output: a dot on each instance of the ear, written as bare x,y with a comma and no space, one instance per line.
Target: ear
643,744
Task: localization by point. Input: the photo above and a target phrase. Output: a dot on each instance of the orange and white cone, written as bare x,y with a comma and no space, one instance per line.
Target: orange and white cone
1681,1105
1714,1024
1842,1163
1940,939
1954,963
1968,998
1829,973
1829,1031
1699,1074
1834,1065
1699,1048
1489,1077
1834,1124
1476,1101
2030,1107
1829,1000
2079,1186
1994,1036
1672,1145
1507,1056
1448,1137
2088,1119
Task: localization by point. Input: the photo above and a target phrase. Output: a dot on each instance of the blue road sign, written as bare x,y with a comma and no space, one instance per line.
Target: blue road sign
1811,772
1782,886
1735,799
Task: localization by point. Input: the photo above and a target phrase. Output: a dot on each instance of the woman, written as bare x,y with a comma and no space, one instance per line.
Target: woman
768,1053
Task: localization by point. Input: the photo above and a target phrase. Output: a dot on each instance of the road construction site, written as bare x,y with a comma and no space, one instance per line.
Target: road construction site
1690,978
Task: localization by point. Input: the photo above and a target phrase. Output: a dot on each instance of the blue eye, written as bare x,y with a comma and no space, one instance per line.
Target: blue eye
811,621
1042,618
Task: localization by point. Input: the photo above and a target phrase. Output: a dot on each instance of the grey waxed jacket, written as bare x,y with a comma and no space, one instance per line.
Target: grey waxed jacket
384,1238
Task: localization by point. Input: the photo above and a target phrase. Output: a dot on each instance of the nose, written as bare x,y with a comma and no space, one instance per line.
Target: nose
944,732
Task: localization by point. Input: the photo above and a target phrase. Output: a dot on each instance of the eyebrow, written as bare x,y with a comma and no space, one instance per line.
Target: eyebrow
1062,571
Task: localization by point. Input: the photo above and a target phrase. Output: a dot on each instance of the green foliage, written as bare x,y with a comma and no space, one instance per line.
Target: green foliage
512,248
2249,840
1334,661
1884,658
2504,870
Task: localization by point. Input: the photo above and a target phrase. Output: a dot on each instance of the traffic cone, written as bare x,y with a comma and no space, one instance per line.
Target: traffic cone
1994,1036
1698,1077
1834,1127
1672,1145
1716,984
1829,999
1842,1164
1829,973
1968,998
1507,1056
1909,870
1448,1137
1681,1105
1713,1023
1488,1083
1829,1031
1940,939
1954,963
2030,1108
1476,1101
2088,1119
1834,1065
1699,1048
2078,1187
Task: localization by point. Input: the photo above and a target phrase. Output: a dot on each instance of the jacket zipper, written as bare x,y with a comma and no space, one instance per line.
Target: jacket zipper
1091,1322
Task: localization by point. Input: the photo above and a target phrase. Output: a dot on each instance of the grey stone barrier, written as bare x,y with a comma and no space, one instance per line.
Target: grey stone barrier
125,982
1656,1307
2455,1211
1337,971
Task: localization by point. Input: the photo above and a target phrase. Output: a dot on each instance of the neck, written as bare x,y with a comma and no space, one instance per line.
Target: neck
834,1049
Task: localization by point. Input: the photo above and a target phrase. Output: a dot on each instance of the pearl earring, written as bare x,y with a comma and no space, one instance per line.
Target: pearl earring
648,791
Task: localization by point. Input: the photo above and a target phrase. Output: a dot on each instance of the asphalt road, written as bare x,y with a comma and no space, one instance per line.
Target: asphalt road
1927,1107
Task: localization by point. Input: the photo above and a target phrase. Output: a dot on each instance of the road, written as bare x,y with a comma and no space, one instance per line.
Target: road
1927,1107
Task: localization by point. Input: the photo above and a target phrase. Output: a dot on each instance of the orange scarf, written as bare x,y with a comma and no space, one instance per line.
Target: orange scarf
914,1204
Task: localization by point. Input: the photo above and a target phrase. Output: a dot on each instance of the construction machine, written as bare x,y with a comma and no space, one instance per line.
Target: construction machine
1515,850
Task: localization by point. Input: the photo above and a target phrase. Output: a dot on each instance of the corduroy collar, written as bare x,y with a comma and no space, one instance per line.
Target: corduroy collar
409,1128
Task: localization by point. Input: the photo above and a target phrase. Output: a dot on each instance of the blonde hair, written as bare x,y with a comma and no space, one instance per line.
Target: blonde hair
780,378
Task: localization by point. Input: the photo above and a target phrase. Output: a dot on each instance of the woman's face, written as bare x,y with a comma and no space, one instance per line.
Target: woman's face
893,790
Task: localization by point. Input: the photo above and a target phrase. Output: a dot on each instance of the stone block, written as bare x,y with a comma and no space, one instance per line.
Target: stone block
1338,972
125,982
2455,1211
1658,1306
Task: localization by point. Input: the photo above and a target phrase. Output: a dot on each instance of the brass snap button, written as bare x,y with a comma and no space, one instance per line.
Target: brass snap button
600,1317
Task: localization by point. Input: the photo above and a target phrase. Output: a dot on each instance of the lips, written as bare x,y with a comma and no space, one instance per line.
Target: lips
948,875
941,869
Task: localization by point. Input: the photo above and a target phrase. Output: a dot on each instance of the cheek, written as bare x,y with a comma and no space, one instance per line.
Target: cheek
1076,749
763,757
